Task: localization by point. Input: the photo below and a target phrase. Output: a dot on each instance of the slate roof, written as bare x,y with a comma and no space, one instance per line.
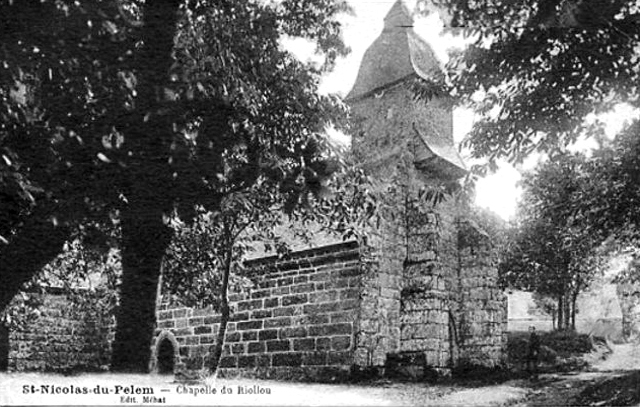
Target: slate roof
397,54
445,155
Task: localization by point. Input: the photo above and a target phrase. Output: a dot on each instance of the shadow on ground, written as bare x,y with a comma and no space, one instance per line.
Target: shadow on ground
616,391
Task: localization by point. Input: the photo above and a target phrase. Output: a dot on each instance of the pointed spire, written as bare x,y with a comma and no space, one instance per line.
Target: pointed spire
397,54
398,17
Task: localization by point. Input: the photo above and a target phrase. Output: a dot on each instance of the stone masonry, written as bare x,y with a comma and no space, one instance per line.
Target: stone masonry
300,320
65,336
419,298
452,314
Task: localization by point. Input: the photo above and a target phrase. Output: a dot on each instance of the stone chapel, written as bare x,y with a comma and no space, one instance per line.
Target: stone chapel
421,299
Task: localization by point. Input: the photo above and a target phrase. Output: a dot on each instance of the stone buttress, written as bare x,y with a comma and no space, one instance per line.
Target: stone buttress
431,305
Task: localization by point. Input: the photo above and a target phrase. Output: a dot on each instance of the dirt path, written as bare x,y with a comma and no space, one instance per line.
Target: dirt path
548,390
625,357
563,389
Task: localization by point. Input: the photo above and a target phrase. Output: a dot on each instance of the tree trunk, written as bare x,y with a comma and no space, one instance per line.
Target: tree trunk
37,242
560,312
567,312
574,298
144,235
144,241
224,311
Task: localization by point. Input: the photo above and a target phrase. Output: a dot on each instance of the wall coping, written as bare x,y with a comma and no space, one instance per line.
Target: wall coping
294,256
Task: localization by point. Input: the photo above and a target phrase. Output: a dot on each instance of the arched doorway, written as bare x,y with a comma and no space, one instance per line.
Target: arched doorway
166,357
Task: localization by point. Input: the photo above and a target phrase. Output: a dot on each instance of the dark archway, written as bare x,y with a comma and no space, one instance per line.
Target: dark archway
166,357
4,348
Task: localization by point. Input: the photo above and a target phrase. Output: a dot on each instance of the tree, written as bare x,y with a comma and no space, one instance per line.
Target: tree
204,260
536,70
554,252
547,305
129,112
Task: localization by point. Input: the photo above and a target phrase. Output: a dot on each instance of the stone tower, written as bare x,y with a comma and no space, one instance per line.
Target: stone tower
416,304
386,113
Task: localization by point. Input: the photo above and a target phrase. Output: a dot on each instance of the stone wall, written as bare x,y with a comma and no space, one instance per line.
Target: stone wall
451,311
479,306
420,295
72,332
425,333
300,320
629,297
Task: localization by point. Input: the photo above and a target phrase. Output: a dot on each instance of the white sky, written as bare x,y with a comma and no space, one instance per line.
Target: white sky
499,191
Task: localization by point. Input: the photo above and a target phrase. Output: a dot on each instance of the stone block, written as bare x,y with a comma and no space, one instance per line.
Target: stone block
314,358
281,290
278,346
166,324
294,299
213,319
293,332
249,305
287,359
247,361
207,339
304,344
271,302
268,334
256,347
239,316
249,336
341,342
277,322
261,314
337,283
205,329
339,358
345,316
284,281
183,332
323,344
330,329
165,315
254,324
321,308
323,296
302,279
228,361
302,288
262,293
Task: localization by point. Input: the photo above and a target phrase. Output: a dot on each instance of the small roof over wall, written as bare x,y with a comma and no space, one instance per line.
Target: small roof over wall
440,155
397,54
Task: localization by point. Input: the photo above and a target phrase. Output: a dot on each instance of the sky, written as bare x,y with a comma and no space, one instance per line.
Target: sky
499,191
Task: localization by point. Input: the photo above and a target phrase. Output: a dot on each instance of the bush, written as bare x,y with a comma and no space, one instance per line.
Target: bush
567,343
555,347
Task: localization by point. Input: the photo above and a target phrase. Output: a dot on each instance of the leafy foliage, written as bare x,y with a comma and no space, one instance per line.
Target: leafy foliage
554,252
239,104
535,70
136,112
256,220
86,275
